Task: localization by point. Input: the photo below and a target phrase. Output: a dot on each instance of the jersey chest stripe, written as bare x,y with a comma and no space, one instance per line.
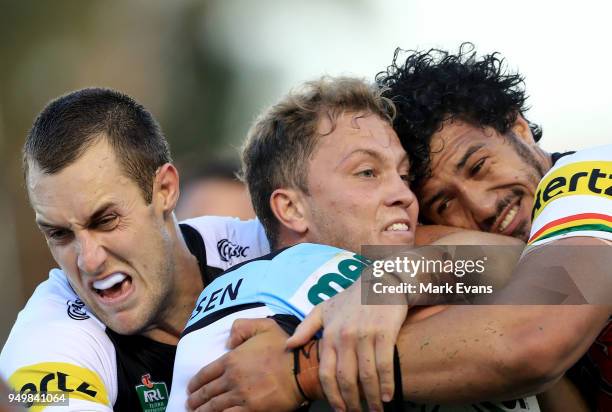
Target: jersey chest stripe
215,316
585,224
568,219
600,228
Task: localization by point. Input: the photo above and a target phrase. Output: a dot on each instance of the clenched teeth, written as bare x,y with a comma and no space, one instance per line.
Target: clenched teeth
509,217
109,281
397,227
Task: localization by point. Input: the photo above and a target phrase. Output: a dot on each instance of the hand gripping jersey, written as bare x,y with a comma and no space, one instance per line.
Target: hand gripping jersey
575,199
57,345
288,282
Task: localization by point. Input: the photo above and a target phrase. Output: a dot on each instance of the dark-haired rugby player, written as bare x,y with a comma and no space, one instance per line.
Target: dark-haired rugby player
478,166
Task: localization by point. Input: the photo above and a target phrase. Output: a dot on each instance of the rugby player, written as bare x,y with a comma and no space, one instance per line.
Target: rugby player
103,328
477,165
323,166
461,119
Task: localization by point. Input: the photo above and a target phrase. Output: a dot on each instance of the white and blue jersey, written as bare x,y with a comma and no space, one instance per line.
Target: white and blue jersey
287,282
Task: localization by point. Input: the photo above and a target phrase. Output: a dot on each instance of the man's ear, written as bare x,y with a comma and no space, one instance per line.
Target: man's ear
288,207
522,130
166,188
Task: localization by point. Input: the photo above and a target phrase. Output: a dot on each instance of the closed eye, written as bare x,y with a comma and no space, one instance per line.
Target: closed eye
477,167
107,222
58,235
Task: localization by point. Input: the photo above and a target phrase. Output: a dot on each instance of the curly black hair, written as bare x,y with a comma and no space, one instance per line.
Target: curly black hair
433,86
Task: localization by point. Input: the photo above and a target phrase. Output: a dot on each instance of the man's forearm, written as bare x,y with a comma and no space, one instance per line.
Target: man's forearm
428,234
471,353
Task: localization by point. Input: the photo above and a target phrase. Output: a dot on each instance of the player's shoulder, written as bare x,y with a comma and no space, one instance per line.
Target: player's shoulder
281,274
302,257
306,258
591,154
230,240
53,317
54,301
575,197
57,341
583,176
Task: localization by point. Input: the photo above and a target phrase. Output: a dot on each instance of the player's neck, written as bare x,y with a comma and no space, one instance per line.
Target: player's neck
546,159
178,306
187,284
288,238
163,335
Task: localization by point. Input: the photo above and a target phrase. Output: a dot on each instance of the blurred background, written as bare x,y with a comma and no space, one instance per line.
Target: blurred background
205,69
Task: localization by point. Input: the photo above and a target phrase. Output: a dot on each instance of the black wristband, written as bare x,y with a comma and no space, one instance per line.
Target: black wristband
296,371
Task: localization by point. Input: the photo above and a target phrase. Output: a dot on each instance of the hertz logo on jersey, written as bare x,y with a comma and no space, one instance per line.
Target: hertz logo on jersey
581,178
77,382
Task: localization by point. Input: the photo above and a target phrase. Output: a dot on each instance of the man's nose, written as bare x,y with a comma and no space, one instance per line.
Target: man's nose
481,206
399,192
91,255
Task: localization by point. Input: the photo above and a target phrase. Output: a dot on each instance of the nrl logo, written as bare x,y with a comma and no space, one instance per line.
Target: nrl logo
153,396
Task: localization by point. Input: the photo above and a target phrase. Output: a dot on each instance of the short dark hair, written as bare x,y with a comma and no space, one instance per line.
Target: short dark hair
70,124
433,86
283,138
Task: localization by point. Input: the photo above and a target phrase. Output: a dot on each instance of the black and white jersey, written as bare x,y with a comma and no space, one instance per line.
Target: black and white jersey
58,346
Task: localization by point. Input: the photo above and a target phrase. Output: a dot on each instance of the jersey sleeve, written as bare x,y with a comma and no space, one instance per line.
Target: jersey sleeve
229,241
57,346
62,359
575,198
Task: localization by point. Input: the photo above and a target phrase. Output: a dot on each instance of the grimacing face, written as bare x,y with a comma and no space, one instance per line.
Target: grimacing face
482,180
113,247
358,185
